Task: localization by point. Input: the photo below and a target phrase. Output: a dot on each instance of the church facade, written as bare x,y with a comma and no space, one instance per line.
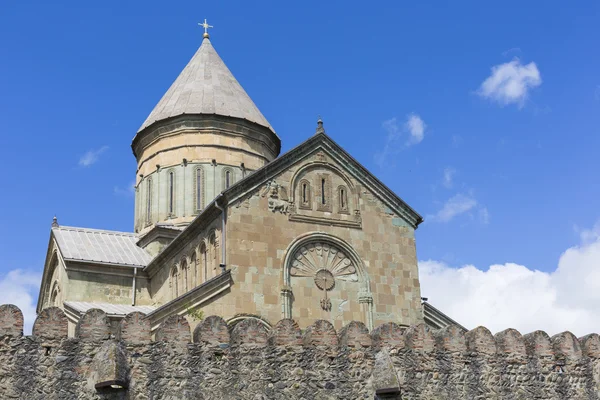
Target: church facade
226,225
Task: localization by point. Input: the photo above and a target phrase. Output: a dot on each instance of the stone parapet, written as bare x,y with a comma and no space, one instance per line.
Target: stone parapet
252,362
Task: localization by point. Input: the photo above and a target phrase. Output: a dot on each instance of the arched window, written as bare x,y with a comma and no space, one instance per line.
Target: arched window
171,193
194,277
204,256
174,283
305,195
212,242
184,276
227,178
149,200
54,298
343,199
324,188
198,189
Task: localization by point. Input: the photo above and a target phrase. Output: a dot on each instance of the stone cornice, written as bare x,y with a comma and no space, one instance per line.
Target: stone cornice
157,232
191,299
212,123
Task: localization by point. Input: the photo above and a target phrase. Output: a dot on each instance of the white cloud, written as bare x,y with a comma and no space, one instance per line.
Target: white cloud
414,128
513,296
92,156
448,180
128,191
510,82
456,205
21,288
484,215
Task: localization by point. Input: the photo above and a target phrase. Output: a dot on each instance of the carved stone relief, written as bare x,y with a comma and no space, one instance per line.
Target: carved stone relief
278,198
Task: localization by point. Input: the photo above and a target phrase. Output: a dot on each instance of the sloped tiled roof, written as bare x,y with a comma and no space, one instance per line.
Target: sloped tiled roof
206,86
111,309
94,245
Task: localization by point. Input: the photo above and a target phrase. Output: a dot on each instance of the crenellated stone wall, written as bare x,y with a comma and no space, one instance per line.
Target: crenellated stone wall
253,362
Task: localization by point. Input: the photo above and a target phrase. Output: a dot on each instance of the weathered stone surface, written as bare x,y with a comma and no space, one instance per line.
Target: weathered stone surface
389,334
51,325
94,326
175,329
11,320
135,329
212,331
321,333
286,333
355,335
458,366
250,332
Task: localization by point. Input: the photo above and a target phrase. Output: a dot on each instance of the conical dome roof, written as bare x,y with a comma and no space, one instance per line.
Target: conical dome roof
206,86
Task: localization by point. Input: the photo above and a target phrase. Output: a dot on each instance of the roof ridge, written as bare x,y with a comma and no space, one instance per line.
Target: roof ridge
83,229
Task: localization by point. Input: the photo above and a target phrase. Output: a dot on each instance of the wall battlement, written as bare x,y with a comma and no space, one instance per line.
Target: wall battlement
285,362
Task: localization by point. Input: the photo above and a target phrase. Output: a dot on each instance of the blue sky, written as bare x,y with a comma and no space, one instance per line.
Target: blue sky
483,117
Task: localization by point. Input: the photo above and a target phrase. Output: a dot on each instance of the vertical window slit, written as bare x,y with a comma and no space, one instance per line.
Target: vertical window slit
322,191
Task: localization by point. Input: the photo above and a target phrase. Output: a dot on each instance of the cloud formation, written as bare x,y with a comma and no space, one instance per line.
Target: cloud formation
21,288
127,191
455,205
414,128
448,180
92,156
510,82
511,295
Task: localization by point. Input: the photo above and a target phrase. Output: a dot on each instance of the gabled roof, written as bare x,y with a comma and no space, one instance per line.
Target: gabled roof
81,307
206,86
99,246
319,141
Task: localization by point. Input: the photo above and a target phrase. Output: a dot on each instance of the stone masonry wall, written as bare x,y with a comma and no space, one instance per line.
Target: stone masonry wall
286,362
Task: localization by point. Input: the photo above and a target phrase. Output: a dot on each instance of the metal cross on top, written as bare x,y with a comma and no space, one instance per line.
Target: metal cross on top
205,25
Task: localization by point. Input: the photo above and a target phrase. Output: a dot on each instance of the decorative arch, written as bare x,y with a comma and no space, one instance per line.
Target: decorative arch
228,178
48,290
342,200
325,258
173,278
183,266
236,319
204,260
55,295
299,175
194,267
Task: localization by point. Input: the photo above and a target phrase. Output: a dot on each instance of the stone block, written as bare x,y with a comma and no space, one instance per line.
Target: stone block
566,347
419,338
250,332
286,333
320,333
175,329
93,326
11,320
509,342
355,335
51,325
451,339
480,340
212,331
537,344
590,345
135,329
388,335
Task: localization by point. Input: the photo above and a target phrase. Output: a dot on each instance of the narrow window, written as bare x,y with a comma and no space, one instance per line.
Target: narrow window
304,193
342,199
148,200
171,191
198,189
194,279
227,179
204,263
322,191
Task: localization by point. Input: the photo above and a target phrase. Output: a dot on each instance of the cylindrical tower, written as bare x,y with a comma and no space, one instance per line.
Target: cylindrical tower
204,135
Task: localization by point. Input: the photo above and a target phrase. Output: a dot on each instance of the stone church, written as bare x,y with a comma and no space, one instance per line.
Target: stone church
227,226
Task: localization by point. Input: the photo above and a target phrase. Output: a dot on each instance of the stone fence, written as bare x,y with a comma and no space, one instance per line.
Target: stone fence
251,362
